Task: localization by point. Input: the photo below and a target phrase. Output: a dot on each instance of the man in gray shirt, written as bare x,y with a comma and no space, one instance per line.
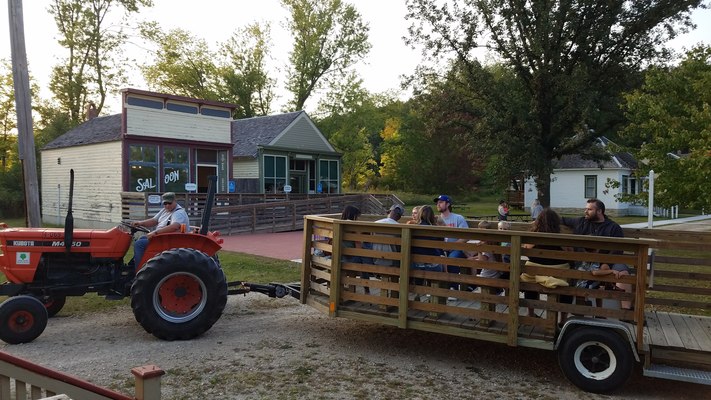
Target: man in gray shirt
167,220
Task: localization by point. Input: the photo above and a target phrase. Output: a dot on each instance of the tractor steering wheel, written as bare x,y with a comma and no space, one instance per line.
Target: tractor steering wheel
135,228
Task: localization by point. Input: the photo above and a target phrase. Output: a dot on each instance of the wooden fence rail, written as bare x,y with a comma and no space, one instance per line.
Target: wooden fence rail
20,378
251,213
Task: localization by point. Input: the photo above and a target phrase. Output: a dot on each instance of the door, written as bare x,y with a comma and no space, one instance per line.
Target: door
203,173
298,182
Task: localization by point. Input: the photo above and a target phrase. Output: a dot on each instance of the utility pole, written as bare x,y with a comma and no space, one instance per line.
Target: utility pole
23,107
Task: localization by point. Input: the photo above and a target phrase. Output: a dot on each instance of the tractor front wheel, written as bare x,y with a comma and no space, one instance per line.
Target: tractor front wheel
179,294
22,319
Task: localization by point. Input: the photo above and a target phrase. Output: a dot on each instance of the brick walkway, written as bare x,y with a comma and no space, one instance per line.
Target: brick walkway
282,245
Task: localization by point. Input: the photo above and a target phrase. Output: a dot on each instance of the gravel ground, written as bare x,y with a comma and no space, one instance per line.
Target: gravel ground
266,348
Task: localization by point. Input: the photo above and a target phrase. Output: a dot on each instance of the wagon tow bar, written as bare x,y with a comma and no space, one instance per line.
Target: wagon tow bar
272,289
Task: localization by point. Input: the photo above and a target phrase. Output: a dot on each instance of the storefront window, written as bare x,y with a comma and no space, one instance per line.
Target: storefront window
143,169
328,176
274,174
175,169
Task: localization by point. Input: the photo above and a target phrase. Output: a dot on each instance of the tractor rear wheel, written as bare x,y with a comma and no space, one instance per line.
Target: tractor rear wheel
179,294
22,319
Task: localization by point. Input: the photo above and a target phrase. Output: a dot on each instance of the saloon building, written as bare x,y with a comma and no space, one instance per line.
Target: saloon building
161,143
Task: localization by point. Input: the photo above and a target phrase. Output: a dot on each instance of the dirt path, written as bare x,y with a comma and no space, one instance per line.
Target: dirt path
266,348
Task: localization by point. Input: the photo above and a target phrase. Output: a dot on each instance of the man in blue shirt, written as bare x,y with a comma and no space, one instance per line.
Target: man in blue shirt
444,206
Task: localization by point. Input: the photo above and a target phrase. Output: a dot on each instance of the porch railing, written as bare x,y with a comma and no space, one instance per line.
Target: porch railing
20,378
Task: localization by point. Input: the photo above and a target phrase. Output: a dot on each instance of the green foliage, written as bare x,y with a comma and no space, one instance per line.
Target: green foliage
186,66
12,197
93,66
53,124
329,37
565,58
670,120
354,122
437,154
183,66
242,76
8,139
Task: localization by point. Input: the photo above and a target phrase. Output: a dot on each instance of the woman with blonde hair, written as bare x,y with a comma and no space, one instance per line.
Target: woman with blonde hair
415,216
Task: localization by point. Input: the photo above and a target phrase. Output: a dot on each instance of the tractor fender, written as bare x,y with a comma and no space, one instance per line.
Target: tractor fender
208,244
620,328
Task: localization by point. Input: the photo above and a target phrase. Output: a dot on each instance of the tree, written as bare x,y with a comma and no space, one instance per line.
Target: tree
329,37
93,66
8,119
184,64
440,154
12,196
569,56
351,123
670,116
243,74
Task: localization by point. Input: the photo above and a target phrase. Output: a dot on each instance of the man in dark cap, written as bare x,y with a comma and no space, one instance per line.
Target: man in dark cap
395,212
166,220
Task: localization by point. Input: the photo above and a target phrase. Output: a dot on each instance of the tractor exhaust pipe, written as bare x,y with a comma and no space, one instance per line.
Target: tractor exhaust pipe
211,189
69,220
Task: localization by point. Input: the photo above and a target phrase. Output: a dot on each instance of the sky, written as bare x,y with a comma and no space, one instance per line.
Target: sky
216,20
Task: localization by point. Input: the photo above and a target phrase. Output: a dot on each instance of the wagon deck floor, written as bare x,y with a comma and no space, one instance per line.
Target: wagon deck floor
678,331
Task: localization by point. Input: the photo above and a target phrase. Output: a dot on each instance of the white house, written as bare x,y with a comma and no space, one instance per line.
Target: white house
574,180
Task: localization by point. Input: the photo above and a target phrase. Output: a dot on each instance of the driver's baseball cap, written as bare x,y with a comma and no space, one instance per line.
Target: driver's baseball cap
168,197
443,197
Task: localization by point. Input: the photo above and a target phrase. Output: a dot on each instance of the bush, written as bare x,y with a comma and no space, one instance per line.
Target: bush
11,206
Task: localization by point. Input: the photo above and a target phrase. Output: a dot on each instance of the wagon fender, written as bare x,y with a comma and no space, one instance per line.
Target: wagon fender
622,329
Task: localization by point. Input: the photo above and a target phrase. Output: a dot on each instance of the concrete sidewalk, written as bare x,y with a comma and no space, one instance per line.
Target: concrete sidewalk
281,245
698,223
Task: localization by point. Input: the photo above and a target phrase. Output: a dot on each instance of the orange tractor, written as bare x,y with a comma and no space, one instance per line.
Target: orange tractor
178,290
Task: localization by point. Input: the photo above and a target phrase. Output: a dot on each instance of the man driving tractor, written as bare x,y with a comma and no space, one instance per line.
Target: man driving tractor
167,220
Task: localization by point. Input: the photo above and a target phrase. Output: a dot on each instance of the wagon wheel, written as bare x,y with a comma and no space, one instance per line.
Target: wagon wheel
596,360
179,294
22,319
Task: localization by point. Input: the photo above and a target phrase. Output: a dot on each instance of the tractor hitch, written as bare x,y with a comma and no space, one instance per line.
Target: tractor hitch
272,289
